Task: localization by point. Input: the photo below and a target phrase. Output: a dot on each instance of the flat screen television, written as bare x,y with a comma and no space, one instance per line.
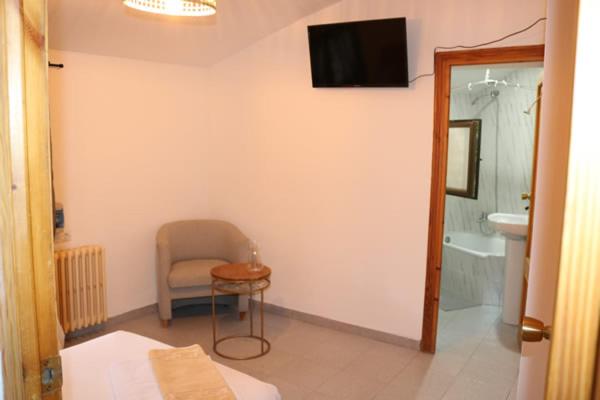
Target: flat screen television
359,54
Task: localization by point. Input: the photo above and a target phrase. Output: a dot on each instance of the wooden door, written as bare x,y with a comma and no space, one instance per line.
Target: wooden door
26,215
576,324
566,272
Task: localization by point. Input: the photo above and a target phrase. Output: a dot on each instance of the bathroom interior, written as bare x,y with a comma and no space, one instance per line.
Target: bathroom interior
491,138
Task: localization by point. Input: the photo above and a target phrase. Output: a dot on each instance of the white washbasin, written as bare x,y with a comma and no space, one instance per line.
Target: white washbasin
510,224
514,228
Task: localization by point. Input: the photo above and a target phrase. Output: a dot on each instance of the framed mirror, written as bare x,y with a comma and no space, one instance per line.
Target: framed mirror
464,143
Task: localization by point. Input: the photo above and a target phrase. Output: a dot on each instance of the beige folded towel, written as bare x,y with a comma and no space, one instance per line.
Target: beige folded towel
187,373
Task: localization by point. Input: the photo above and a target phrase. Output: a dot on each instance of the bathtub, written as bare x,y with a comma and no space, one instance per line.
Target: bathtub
472,270
475,244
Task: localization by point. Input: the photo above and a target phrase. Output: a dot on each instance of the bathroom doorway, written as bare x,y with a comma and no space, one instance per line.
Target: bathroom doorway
486,107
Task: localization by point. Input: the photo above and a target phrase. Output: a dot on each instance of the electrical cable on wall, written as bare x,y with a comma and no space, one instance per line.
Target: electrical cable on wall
435,50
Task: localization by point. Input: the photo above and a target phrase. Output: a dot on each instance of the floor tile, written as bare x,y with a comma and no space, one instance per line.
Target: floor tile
349,387
445,363
289,391
490,370
305,373
381,362
497,354
513,392
319,396
298,341
338,350
469,388
507,335
266,365
418,383
410,393
478,356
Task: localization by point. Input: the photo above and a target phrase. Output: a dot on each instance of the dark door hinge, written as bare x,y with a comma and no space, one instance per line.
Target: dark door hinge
51,375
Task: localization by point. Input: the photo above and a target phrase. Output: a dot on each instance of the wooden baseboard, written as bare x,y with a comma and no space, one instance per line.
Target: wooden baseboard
342,326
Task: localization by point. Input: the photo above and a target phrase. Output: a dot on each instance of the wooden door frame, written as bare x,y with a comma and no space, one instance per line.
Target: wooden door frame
444,61
10,339
26,214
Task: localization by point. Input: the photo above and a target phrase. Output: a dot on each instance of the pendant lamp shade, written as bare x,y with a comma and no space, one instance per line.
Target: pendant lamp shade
182,8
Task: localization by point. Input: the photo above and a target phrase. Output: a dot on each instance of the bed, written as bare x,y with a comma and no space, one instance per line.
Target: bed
89,369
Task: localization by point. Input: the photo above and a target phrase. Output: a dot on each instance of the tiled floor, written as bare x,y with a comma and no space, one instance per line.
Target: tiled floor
488,350
474,361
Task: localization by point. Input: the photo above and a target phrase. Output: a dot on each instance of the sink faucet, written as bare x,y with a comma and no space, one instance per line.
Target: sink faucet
482,218
482,221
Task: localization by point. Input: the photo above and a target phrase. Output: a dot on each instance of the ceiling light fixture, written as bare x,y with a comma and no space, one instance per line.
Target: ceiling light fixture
181,8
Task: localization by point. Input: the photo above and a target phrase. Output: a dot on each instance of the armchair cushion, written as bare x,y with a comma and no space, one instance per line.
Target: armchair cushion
192,273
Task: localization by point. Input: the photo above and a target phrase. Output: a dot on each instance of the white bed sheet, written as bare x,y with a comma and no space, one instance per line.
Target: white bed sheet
87,368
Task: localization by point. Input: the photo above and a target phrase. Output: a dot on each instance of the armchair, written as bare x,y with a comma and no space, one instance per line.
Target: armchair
186,252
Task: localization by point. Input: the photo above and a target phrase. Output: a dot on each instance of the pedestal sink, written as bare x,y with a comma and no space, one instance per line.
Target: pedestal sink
514,228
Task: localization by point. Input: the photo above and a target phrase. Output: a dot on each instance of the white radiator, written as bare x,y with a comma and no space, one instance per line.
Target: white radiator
81,288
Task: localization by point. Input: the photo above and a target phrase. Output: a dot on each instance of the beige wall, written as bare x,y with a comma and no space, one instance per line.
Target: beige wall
129,154
334,183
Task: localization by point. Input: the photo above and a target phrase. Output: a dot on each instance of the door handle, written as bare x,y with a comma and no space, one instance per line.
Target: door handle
534,330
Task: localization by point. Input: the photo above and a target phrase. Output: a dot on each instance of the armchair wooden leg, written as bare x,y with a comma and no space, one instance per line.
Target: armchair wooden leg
165,323
242,315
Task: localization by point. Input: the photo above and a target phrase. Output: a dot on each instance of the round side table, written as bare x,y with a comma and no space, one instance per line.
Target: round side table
238,279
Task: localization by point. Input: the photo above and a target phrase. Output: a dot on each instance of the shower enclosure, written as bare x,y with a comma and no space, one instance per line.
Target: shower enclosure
500,97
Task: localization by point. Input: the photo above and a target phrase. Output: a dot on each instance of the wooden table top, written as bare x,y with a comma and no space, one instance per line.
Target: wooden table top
239,272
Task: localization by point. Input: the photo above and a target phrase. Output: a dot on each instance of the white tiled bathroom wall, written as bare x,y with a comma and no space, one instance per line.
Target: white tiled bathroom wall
466,280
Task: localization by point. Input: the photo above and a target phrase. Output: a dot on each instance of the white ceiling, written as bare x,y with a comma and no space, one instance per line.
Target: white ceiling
107,27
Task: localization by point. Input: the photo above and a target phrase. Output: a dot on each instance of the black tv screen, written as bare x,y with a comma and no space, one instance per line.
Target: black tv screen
359,54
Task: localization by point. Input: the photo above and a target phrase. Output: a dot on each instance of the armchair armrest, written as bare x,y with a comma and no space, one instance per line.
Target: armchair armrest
163,256
163,267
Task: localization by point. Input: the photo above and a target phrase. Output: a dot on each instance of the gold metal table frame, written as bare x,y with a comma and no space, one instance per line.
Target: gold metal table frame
249,284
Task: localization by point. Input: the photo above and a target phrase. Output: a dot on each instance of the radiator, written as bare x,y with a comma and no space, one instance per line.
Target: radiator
81,281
